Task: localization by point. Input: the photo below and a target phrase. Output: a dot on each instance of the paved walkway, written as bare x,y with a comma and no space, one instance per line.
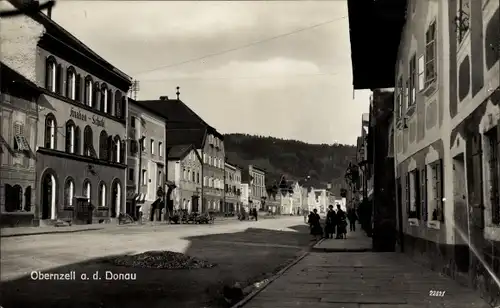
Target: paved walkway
355,241
361,280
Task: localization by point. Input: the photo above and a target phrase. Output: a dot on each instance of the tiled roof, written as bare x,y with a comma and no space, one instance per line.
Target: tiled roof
179,151
194,136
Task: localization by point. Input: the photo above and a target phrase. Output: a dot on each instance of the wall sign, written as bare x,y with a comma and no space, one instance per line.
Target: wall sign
77,114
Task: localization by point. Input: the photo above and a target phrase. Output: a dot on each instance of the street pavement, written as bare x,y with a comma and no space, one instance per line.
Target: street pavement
23,254
355,242
361,280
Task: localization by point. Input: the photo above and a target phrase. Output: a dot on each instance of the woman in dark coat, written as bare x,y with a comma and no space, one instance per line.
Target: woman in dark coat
314,222
341,223
331,217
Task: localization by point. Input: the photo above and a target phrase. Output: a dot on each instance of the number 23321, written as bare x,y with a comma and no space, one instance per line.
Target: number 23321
436,293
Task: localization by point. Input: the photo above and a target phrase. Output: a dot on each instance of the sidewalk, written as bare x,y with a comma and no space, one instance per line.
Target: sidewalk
359,280
355,242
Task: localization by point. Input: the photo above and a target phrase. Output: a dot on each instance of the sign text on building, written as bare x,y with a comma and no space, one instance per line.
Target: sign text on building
77,114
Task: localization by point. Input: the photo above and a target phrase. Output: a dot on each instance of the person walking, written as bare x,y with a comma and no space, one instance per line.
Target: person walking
315,225
331,217
351,215
341,223
306,216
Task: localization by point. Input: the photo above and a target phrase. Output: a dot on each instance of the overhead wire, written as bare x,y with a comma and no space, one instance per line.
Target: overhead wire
239,47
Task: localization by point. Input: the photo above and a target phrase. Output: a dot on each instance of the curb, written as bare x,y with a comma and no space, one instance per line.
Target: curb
341,249
48,232
254,293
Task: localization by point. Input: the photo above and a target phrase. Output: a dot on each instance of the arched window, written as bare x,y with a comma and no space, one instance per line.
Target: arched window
117,144
109,102
118,104
123,106
103,146
52,75
95,95
103,104
50,132
27,199
70,136
88,146
69,192
71,83
88,94
87,189
78,139
102,194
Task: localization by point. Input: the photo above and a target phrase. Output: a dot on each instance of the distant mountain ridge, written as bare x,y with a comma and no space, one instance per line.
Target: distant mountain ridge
296,160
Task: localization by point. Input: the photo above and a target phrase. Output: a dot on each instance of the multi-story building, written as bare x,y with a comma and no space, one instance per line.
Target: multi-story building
232,188
257,180
273,199
245,196
18,113
80,147
184,126
184,170
146,161
446,128
297,198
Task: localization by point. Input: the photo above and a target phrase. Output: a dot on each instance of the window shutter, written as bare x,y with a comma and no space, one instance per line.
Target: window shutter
77,140
78,88
424,194
122,152
417,193
68,138
48,81
58,79
421,73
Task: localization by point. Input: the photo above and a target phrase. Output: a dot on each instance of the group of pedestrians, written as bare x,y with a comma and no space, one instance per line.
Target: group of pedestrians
336,223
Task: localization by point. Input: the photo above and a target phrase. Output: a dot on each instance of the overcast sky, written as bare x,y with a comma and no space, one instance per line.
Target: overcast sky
296,86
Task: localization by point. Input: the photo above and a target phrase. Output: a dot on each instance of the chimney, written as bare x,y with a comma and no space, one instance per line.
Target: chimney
164,98
177,93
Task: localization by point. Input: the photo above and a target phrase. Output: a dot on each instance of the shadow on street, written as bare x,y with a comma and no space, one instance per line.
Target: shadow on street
245,257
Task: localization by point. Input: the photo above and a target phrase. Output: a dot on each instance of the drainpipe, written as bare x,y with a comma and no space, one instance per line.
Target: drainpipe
224,190
140,169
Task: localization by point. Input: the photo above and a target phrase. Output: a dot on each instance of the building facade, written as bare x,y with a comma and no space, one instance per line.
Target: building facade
446,138
146,161
213,172
245,195
18,113
184,170
80,147
258,186
297,198
232,188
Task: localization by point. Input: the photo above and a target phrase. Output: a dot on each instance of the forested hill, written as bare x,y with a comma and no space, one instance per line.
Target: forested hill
294,159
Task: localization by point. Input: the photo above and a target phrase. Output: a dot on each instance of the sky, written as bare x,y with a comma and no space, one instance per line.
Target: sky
269,68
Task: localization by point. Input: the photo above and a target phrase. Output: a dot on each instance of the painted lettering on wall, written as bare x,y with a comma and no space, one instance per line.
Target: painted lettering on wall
77,114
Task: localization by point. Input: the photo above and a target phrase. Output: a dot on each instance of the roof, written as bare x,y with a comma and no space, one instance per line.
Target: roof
55,30
178,115
8,75
194,136
179,151
375,23
258,169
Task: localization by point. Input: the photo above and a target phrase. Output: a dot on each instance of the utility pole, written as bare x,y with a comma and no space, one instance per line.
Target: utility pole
134,89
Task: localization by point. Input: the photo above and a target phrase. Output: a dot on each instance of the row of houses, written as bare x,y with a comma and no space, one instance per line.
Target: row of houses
75,148
436,132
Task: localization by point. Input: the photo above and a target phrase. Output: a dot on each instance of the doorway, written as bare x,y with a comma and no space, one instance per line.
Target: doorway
48,190
461,214
115,199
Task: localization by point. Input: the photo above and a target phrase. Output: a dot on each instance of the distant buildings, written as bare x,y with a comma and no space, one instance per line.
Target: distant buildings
232,188
256,178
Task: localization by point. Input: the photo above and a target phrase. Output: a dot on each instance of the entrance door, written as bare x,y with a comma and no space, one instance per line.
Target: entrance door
461,215
194,203
47,195
115,199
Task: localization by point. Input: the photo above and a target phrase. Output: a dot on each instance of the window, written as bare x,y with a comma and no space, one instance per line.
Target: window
414,194
406,98
103,146
118,104
152,147
131,174
193,176
21,144
493,175
132,121
95,96
109,102
437,191
134,147
78,88
53,75
197,178
71,83
102,194
27,199
210,182
88,142
88,94
421,71
118,150
50,132
144,177
160,148
205,159
70,136
103,100
143,143
87,189
69,192
412,79
205,181
430,54
13,198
